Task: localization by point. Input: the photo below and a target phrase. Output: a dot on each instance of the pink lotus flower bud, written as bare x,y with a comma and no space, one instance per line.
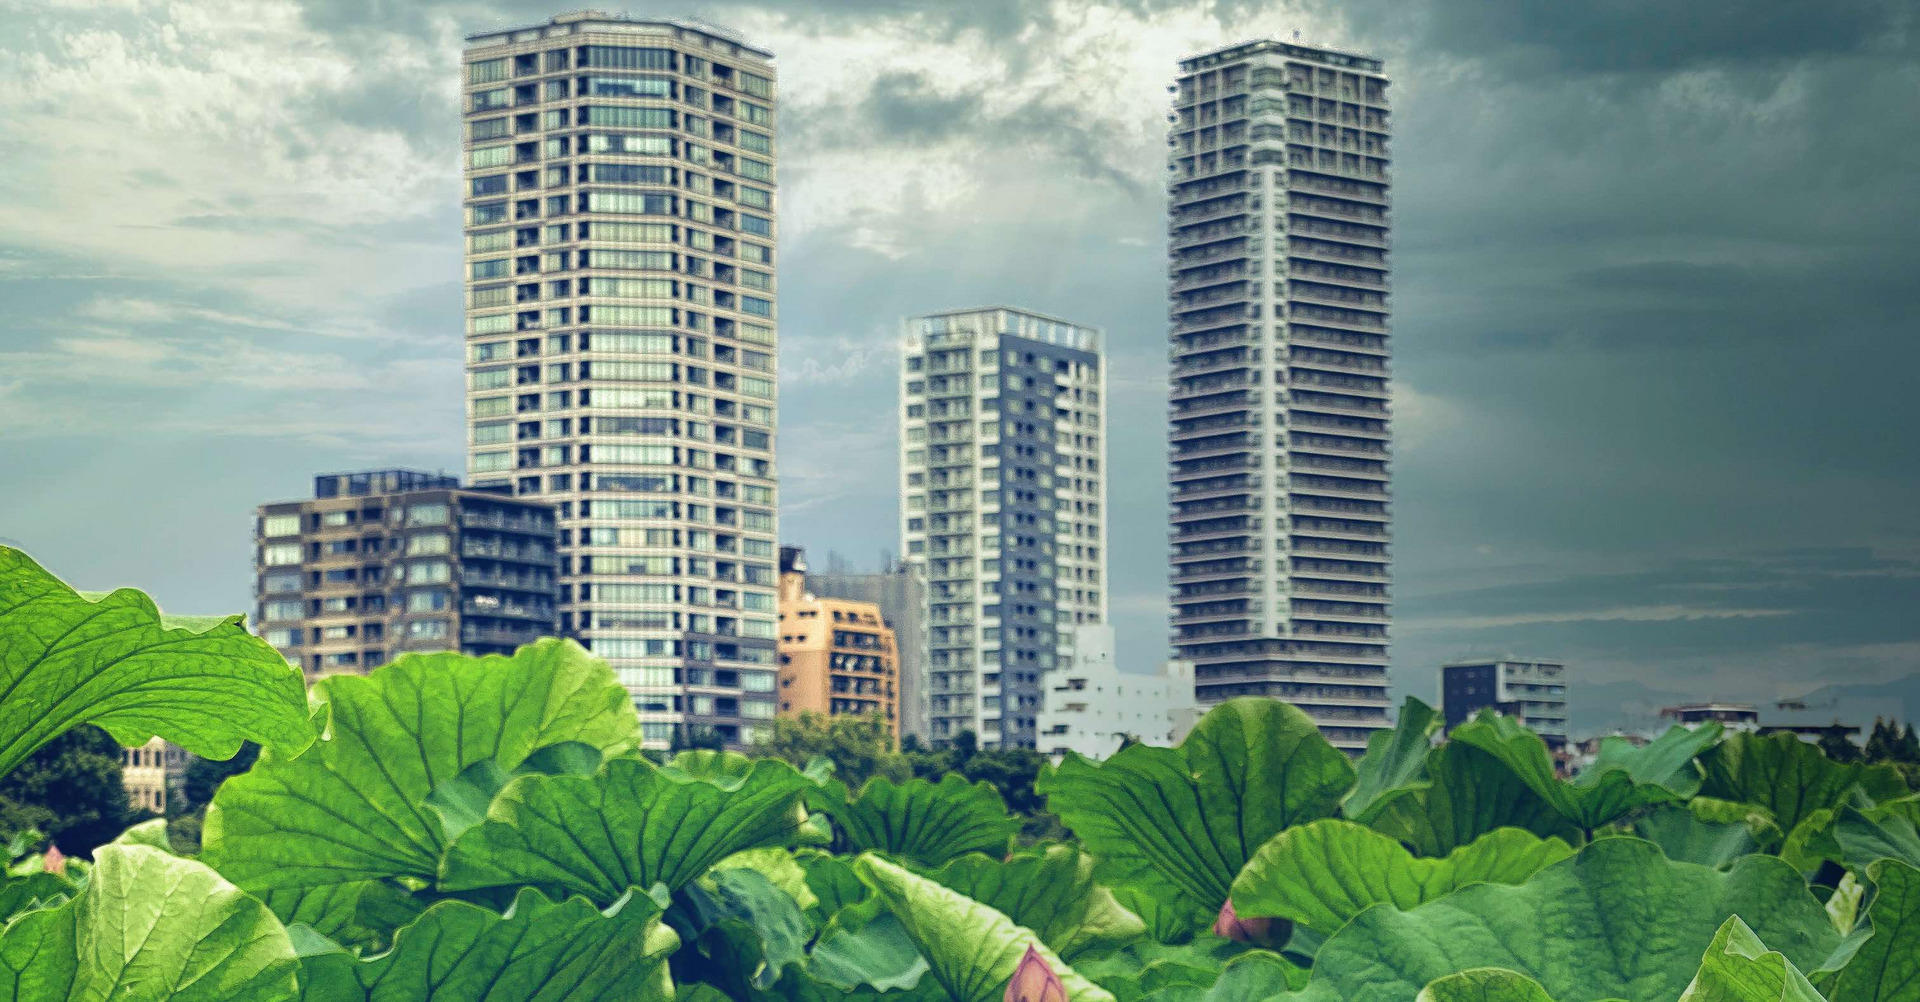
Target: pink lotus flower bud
1233,927
1034,981
54,861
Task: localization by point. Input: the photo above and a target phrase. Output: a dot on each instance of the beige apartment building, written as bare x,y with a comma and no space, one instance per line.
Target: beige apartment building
620,262
837,656
383,562
1278,288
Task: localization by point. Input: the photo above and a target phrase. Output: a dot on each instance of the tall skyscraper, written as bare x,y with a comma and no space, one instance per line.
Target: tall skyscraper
620,343
1278,270
1003,487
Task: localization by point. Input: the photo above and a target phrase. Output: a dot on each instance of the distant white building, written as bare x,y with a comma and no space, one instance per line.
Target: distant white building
1092,707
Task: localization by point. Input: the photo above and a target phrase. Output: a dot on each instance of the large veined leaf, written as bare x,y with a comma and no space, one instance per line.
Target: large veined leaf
1177,824
633,824
354,806
925,823
971,950
1251,977
66,661
1738,967
153,927
1886,968
18,893
1789,777
537,950
867,946
1865,836
1320,875
1468,794
1146,966
1484,984
1608,789
1705,831
1395,759
1051,891
1617,920
747,930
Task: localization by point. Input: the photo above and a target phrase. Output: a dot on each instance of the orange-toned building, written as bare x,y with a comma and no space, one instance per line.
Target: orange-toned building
836,655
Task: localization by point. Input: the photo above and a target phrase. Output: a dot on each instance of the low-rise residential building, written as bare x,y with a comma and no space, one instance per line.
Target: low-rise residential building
151,772
900,592
1531,691
1093,707
383,562
837,656
1732,716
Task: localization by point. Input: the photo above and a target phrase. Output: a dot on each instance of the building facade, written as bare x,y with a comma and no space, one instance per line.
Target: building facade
1278,285
151,772
1532,692
837,656
1093,707
1003,507
383,562
619,197
900,592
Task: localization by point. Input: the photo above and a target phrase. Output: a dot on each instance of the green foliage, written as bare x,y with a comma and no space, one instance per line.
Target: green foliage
1177,824
487,828
148,926
70,790
1321,875
922,822
68,661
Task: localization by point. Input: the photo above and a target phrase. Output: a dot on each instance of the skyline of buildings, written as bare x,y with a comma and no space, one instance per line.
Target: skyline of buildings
1003,489
1532,691
1278,238
621,362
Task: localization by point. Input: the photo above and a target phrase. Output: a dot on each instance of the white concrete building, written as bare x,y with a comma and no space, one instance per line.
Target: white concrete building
1278,285
1003,505
620,260
1092,706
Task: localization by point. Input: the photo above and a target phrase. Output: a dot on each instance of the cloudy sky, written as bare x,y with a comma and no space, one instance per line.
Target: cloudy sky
1654,304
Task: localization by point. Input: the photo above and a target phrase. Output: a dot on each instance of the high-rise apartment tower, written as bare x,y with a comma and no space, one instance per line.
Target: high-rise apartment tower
620,343
1003,487
1278,268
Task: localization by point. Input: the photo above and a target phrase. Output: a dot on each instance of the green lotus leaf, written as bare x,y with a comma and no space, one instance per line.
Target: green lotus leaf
1865,836
633,824
1886,966
1395,759
1050,890
971,950
1738,967
922,822
1617,920
354,806
68,661
537,950
1322,874
833,883
1254,976
1708,832
1146,966
153,927
1484,984
1469,793
1623,779
748,930
1788,777
1177,824
31,890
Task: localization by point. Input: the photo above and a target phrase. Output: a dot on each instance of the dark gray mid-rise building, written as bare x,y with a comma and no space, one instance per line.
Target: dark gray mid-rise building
383,562
1532,692
901,594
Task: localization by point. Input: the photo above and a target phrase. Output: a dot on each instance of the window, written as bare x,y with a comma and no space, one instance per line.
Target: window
756,306
491,378
758,143
756,253
427,601
487,212
280,525
282,583
631,233
626,57
632,174
639,455
600,114
637,202
283,638
759,225
633,316
633,372
758,86
627,259
427,629
492,268
488,128
629,288
756,169
757,197
754,386
281,554
629,87
427,514
490,156
632,144
428,572
282,609
490,462
487,71
632,592
492,184
428,543
487,100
